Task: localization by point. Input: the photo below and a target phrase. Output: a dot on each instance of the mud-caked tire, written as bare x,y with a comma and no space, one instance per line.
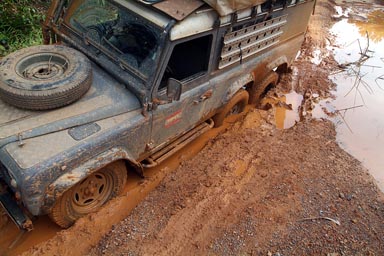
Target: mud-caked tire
44,77
257,91
90,194
235,105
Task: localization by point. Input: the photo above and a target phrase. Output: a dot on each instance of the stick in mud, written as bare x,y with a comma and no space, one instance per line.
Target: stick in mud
338,112
337,222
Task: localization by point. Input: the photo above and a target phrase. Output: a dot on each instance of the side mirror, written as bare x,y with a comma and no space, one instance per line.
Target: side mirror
173,89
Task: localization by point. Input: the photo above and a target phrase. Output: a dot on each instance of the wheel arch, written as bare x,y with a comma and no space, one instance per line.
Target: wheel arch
278,62
258,90
71,178
242,81
241,96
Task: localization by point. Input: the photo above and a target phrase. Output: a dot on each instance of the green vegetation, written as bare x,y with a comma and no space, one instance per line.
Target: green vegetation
20,24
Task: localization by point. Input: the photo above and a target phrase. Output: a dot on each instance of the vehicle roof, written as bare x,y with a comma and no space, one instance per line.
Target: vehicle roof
148,13
192,16
177,9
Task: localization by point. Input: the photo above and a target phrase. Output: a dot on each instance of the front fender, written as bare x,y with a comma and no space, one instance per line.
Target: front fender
70,178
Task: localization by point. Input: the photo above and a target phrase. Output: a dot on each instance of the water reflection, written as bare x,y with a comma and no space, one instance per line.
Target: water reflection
286,109
374,25
361,131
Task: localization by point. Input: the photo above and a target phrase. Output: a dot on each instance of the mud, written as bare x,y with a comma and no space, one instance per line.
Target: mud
258,197
247,188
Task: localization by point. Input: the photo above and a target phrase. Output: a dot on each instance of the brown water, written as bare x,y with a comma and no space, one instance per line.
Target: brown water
360,89
286,107
286,118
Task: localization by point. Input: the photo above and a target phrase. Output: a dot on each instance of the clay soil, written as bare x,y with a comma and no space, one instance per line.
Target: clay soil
253,189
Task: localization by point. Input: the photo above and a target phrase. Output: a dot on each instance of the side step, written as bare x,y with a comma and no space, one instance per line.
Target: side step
159,156
17,215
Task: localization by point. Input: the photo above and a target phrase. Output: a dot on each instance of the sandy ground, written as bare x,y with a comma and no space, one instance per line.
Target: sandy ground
252,190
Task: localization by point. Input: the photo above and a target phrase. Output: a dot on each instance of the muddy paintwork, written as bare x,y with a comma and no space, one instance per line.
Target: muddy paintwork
125,115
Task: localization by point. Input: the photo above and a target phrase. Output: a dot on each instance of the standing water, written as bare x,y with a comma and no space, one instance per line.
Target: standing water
359,101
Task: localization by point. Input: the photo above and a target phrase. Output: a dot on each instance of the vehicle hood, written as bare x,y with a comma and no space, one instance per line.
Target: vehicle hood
106,98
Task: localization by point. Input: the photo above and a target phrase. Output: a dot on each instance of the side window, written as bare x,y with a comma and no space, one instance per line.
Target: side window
188,60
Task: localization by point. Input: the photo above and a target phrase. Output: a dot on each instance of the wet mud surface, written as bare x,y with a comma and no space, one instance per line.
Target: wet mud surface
270,192
249,188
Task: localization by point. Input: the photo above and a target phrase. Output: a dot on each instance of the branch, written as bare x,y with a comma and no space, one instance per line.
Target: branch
324,218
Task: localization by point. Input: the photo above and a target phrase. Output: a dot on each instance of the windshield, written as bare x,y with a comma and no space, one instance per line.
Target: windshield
126,36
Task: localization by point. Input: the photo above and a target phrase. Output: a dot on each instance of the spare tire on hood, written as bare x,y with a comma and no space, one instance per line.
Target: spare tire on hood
44,77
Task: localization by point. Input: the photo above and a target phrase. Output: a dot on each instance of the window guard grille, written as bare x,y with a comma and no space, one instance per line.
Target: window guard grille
240,44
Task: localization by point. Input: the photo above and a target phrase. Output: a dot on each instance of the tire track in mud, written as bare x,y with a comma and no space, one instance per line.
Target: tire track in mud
210,192
210,206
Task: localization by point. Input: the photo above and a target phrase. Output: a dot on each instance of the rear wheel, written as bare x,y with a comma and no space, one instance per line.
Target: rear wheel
236,105
90,194
258,91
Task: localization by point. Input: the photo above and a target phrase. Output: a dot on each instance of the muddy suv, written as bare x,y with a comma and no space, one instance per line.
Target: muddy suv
123,84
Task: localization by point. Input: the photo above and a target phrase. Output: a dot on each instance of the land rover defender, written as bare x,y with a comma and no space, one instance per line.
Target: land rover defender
123,84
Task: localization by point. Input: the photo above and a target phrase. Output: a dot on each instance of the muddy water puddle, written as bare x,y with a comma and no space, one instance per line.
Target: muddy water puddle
286,109
359,95
287,112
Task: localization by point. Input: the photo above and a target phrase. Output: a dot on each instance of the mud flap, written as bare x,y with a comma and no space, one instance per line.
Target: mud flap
16,214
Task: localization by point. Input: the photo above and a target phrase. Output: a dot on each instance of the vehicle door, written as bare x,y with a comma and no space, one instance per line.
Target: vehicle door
188,63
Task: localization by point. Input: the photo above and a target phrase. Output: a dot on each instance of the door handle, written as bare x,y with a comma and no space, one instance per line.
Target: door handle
204,96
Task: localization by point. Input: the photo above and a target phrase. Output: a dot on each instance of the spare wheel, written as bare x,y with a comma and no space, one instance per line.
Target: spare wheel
44,77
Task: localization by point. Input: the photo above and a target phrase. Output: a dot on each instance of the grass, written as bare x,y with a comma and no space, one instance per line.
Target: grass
20,24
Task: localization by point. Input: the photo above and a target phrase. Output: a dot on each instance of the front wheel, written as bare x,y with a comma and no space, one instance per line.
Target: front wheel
236,105
90,194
